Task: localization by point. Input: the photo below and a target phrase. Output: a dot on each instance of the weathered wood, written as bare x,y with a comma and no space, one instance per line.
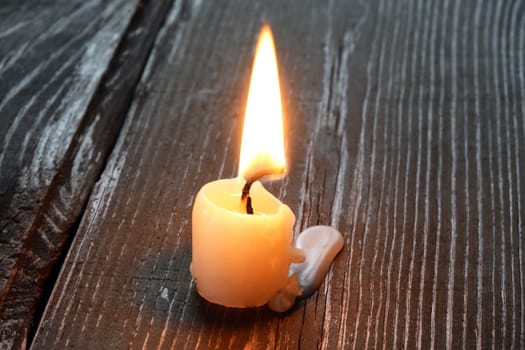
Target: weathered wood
67,74
406,131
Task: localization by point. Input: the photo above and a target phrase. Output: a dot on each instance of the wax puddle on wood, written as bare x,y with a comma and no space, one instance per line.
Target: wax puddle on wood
164,293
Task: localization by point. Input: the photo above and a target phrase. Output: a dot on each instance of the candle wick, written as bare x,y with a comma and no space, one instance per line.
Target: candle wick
249,208
246,196
246,189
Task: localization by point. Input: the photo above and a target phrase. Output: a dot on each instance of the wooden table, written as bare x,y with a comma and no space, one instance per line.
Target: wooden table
406,131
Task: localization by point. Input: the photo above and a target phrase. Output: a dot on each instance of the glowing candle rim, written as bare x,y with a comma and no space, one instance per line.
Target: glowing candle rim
233,196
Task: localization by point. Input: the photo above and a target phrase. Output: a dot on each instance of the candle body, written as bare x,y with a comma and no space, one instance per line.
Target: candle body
240,260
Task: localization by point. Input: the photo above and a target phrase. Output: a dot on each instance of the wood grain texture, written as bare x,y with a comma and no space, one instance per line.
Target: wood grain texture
406,131
67,72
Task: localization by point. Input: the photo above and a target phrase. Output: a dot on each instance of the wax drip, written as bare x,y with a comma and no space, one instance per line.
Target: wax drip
245,196
320,245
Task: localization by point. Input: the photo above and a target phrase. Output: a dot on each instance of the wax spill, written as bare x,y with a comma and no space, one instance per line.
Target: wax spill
320,244
164,293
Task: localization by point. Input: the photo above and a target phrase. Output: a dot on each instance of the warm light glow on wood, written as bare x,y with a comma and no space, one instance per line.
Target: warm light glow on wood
262,150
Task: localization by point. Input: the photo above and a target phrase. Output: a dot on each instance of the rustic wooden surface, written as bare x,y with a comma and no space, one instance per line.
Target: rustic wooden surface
67,72
406,131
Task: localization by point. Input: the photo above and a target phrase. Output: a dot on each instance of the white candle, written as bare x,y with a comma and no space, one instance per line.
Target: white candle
242,235
241,259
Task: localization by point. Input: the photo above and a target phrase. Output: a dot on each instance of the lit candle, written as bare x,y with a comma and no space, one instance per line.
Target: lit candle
242,253
241,259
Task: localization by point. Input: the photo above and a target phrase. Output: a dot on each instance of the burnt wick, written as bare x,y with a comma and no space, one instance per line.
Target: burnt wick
245,196
249,209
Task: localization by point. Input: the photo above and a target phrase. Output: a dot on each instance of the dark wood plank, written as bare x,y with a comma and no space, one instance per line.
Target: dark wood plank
406,131
67,74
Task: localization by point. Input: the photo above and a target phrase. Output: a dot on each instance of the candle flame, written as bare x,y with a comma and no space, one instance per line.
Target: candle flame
262,149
